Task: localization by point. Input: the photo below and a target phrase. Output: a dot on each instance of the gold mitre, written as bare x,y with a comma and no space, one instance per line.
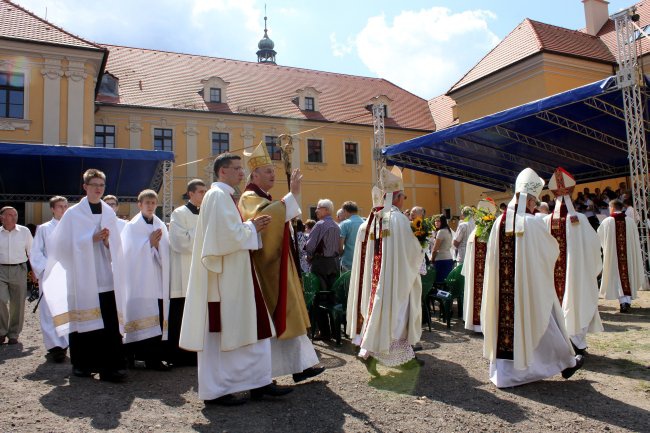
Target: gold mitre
259,157
391,180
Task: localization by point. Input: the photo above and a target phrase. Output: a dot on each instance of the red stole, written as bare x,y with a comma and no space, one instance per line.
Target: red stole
506,313
263,323
480,249
558,230
362,261
621,251
376,266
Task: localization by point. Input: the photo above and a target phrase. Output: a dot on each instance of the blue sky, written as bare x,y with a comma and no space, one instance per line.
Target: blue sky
422,46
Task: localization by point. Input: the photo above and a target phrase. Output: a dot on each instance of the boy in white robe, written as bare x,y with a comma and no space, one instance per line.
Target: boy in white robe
182,230
578,265
523,326
56,345
83,283
146,255
225,319
623,272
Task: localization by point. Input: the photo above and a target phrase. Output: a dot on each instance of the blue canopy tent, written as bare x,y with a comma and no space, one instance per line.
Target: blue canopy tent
34,172
582,130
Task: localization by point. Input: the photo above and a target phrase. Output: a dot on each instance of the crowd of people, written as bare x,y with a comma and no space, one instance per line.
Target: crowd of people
220,287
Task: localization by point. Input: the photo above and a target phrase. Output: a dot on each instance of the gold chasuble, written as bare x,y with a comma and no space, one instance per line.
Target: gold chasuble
275,266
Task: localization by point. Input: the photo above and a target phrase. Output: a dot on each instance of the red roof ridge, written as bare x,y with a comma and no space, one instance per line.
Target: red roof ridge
576,32
16,5
250,62
487,54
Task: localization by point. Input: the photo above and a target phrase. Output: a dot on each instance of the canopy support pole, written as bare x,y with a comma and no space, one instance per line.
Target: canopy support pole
379,143
167,191
630,80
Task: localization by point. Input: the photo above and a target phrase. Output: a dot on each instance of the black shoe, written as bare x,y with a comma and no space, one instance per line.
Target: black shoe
115,376
579,351
307,373
371,365
625,307
57,354
417,347
568,372
82,372
158,365
226,400
271,389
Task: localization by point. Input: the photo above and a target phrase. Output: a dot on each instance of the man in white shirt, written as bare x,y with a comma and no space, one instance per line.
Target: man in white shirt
56,345
15,244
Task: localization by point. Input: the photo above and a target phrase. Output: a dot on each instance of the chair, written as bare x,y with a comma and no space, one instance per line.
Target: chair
445,292
311,286
338,310
427,285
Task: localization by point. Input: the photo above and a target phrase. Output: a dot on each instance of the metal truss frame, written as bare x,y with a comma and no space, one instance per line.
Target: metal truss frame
470,163
502,155
167,190
630,80
379,141
572,125
551,148
412,161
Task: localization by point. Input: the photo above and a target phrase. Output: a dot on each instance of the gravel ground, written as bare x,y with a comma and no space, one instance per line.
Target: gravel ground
450,393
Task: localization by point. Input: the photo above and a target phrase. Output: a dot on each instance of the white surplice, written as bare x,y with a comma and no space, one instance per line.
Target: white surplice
583,265
468,273
394,320
147,279
541,346
38,259
182,230
610,283
358,286
78,269
234,359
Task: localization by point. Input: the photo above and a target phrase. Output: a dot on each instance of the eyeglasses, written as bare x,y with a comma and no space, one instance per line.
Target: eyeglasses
96,185
111,204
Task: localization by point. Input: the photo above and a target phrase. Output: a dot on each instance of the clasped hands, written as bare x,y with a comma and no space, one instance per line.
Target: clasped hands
261,222
102,235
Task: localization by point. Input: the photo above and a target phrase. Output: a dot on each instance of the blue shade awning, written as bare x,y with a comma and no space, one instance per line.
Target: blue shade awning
582,130
35,172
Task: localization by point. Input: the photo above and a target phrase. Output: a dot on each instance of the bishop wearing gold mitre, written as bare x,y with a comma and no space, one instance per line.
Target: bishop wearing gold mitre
291,351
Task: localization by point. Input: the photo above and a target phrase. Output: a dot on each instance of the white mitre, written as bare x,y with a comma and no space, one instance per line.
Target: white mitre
391,181
487,204
562,185
527,183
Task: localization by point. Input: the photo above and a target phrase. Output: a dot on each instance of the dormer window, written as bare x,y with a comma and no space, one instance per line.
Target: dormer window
215,94
382,101
215,90
310,104
109,85
308,99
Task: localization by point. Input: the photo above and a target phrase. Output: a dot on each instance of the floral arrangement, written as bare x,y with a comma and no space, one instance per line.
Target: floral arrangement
422,229
484,219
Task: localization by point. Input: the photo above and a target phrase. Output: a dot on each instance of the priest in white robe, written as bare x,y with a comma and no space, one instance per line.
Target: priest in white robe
182,230
393,318
84,281
275,266
146,255
225,319
56,345
525,339
474,268
623,272
578,264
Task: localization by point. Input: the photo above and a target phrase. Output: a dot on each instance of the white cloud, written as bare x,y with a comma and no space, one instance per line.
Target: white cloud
340,49
425,51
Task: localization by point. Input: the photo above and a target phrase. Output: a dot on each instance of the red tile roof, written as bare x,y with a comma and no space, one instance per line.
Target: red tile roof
19,23
532,37
441,110
160,79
